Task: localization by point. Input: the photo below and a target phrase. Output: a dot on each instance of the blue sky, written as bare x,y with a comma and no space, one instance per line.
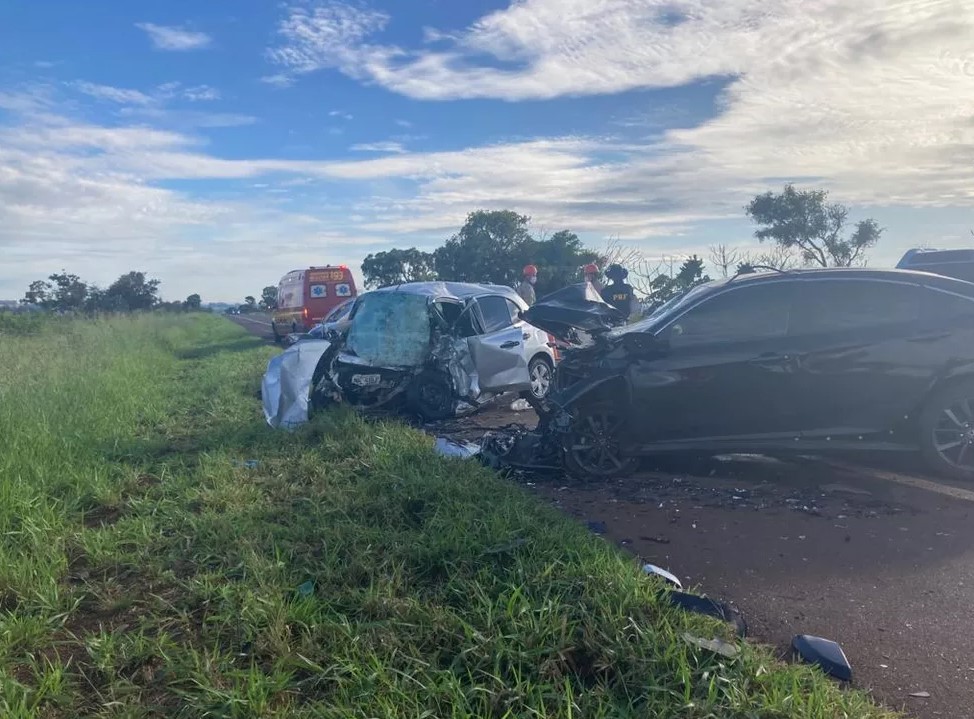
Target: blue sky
218,145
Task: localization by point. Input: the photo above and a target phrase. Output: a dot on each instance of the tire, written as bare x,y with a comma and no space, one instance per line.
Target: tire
542,383
597,426
431,394
947,430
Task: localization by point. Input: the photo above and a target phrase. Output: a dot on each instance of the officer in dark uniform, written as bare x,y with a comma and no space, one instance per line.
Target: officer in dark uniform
619,294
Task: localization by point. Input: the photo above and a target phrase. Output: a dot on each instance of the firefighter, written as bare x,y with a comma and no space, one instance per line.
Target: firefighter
591,272
619,294
529,276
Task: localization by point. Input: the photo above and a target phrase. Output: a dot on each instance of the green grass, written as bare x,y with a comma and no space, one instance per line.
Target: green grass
145,571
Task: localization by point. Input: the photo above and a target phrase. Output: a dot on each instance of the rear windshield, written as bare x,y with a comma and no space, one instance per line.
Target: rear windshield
390,329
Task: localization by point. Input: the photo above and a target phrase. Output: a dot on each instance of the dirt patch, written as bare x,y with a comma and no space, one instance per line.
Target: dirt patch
103,516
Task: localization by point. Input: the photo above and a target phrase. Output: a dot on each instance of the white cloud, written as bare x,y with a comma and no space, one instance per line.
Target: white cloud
340,113
119,95
871,98
165,37
404,123
388,147
201,93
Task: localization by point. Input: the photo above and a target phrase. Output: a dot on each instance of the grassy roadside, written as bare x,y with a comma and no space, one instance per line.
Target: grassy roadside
147,568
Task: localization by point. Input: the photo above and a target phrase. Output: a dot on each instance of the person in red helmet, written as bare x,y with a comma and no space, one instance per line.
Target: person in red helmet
591,273
529,276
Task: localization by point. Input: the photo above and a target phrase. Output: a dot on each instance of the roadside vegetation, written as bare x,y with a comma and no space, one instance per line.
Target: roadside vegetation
163,553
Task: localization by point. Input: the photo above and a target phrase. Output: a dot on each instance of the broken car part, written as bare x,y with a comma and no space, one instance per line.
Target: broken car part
709,607
663,574
286,386
824,653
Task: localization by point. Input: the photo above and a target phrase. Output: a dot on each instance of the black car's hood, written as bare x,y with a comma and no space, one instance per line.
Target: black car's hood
576,307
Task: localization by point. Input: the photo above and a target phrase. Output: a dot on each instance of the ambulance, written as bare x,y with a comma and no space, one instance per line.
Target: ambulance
304,297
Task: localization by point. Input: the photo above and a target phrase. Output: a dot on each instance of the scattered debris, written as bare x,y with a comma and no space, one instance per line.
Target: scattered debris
920,695
520,405
711,608
248,463
663,574
596,527
824,653
718,646
844,488
306,589
451,448
655,540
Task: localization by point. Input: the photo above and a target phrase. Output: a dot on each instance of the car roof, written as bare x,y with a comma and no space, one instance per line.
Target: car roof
927,279
923,256
450,290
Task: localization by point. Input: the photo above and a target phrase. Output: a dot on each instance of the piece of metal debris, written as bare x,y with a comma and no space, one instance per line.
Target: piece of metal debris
718,646
824,653
520,405
662,574
452,448
920,695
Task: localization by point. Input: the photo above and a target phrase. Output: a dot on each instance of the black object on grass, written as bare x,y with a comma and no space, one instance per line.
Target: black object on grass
710,607
824,653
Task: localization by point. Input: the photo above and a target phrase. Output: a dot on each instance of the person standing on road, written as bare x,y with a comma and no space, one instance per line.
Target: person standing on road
529,276
591,272
619,294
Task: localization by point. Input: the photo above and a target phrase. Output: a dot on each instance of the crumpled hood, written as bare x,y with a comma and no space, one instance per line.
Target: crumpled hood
286,386
576,307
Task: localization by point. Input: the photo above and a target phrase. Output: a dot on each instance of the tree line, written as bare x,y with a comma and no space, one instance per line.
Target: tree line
800,228
132,291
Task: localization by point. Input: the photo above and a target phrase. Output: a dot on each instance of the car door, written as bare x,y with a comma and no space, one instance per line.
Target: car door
724,370
498,352
863,356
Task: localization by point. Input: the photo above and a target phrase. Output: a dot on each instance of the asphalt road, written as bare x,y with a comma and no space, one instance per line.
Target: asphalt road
868,551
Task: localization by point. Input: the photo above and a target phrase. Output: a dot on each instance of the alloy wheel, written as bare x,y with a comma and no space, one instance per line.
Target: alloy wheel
594,444
540,379
953,434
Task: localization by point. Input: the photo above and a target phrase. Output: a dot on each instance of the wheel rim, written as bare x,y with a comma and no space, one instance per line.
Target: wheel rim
953,434
540,379
595,445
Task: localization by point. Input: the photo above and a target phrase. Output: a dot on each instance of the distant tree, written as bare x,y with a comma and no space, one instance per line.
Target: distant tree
488,248
62,291
193,303
559,259
250,304
724,258
805,221
668,279
396,266
268,298
132,291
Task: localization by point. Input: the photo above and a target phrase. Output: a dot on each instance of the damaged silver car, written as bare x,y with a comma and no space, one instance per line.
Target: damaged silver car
438,349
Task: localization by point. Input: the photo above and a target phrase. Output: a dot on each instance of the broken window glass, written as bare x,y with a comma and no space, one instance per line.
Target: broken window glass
391,329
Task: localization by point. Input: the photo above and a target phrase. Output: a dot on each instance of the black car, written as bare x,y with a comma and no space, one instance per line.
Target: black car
806,360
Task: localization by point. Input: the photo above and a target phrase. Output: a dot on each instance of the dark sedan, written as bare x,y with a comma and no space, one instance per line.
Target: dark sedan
806,360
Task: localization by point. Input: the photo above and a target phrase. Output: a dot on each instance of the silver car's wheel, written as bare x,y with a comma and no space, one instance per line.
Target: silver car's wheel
541,374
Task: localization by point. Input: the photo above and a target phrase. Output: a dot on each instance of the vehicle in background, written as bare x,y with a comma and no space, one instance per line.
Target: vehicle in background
438,349
950,263
803,360
335,321
305,297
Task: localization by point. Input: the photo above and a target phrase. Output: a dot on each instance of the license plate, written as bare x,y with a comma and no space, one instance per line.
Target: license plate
366,380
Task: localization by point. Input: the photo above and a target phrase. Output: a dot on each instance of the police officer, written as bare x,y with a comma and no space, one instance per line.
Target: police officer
619,294
525,288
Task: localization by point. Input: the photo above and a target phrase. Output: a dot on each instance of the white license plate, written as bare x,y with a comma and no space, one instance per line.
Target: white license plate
366,380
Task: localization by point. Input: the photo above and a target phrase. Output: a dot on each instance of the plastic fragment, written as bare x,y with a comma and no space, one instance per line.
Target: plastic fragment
716,645
662,574
824,653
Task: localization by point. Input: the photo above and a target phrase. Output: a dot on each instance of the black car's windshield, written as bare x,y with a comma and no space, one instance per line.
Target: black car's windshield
673,305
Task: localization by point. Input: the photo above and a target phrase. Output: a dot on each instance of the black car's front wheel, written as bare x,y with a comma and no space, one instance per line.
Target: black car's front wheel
947,430
593,449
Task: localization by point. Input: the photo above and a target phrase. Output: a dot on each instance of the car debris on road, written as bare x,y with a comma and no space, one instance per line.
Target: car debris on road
824,653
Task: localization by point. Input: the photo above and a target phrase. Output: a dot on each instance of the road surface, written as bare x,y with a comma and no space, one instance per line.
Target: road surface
868,551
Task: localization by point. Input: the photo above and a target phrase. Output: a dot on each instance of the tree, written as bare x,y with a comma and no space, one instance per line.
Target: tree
394,267
559,258
193,303
250,304
268,298
130,292
724,258
63,292
805,221
488,248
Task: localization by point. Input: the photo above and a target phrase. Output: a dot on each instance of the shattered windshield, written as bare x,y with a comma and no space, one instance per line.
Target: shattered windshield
391,329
